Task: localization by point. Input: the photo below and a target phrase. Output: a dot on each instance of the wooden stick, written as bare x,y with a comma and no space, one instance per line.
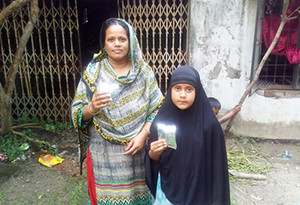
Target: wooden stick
247,175
31,139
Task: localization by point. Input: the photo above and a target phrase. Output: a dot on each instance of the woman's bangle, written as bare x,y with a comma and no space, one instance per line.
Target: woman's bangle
89,110
146,130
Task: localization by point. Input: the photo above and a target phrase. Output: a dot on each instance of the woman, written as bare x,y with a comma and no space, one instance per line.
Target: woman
115,102
191,157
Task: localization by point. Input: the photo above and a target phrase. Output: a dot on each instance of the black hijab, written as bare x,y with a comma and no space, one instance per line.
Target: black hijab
196,172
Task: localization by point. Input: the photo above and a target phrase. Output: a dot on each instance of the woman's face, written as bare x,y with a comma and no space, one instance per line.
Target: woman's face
183,95
116,43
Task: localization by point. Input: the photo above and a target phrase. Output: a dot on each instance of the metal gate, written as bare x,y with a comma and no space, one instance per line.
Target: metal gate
48,73
50,69
162,30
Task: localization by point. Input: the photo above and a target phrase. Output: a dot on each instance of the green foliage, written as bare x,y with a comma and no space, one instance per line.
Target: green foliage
77,190
71,191
74,192
2,195
10,145
50,127
40,146
25,118
247,158
58,127
29,133
240,136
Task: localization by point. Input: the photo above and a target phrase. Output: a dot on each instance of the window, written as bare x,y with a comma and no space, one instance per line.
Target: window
281,70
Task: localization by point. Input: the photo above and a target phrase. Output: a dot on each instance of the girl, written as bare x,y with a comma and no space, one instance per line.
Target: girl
191,160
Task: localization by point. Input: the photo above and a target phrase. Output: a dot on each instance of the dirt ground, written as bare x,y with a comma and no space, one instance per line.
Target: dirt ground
29,182
282,184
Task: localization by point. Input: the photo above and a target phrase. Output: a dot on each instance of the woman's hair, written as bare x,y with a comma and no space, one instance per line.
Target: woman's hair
214,102
109,22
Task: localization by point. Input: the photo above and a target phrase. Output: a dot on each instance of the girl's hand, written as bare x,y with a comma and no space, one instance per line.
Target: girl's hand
156,148
236,109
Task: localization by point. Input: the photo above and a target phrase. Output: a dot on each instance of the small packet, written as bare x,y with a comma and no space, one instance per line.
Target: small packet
108,88
3,157
167,132
50,160
24,147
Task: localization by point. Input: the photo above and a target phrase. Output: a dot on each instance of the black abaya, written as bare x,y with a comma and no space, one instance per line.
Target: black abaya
196,172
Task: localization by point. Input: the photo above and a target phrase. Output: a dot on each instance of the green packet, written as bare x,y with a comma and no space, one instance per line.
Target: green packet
167,132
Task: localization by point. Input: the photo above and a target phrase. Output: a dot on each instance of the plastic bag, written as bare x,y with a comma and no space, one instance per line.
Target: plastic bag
50,160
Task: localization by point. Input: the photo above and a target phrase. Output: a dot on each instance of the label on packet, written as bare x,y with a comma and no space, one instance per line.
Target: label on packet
167,132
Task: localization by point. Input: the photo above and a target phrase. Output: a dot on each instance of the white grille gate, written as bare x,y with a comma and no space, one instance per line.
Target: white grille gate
47,75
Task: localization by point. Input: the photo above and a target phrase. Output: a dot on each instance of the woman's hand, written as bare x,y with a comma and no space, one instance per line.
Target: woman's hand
136,144
157,148
99,100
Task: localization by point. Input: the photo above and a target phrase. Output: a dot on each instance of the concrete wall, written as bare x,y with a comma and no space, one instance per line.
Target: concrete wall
220,48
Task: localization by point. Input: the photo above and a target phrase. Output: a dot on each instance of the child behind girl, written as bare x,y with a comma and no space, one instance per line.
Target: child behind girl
186,146
216,106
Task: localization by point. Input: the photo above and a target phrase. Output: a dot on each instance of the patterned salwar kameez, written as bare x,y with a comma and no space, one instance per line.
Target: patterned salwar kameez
115,178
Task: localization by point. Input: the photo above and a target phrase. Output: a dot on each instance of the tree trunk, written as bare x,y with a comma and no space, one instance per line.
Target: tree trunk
5,108
6,93
15,5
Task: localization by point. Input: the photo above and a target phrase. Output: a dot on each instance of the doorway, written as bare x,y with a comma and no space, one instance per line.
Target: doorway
92,13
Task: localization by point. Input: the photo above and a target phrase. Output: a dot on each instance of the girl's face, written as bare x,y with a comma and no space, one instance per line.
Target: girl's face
116,43
183,95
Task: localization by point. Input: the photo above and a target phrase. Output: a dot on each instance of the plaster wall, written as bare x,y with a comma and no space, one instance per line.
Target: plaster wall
220,48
